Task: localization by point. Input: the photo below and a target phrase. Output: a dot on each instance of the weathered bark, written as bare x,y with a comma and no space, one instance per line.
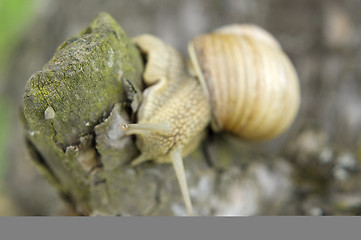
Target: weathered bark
66,106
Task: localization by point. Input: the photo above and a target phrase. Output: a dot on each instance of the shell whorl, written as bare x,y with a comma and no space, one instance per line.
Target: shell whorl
251,84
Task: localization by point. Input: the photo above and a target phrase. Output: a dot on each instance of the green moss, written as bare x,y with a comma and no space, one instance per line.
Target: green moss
83,67
82,83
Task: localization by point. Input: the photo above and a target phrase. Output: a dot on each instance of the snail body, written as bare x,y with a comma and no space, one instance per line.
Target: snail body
174,113
243,83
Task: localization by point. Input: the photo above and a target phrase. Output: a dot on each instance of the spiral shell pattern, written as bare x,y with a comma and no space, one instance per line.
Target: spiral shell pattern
251,83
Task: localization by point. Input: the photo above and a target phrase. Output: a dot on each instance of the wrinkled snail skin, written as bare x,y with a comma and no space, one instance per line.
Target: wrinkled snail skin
251,84
239,80
174,112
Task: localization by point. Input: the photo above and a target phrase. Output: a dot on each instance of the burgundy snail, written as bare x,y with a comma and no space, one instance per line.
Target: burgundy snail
239,80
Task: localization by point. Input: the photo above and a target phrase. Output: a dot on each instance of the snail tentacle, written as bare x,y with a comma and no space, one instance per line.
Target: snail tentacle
146,128
178,166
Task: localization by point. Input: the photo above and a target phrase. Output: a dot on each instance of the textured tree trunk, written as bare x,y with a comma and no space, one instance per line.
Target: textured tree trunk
72,111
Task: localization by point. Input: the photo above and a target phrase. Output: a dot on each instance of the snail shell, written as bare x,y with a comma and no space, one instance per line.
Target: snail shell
251,84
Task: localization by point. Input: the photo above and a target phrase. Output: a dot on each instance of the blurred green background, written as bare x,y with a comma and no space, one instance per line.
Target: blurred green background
15,17
322,38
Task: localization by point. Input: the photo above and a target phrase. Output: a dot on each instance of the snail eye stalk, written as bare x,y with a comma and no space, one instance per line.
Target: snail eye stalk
146,128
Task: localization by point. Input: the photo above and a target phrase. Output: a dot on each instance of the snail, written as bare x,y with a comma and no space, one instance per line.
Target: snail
238,79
